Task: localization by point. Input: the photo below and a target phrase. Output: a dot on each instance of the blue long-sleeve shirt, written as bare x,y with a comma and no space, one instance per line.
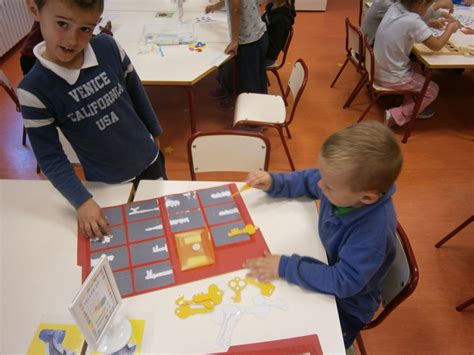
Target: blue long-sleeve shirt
103,111
360,246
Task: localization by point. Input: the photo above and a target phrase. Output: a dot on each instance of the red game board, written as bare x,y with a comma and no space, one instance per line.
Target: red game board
142,248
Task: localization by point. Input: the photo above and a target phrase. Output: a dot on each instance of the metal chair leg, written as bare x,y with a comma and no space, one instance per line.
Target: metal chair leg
462,306
455,231
340,71
360,345
285,146
356,91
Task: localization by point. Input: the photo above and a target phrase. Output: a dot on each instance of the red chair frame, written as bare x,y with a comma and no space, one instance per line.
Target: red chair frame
407,290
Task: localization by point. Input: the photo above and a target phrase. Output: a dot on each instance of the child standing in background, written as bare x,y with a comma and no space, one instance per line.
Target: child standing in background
249,44
279,17
401,27
357,221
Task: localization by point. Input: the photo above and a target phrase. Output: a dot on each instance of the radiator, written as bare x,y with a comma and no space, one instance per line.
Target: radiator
15,23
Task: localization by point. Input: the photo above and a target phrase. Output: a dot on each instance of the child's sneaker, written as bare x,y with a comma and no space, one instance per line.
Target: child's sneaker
217,93
388,119
426,113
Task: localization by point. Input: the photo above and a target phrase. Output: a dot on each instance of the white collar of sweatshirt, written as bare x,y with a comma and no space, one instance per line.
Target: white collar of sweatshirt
70,75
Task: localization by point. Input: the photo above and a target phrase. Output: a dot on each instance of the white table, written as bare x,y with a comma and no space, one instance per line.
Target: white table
288,226
38,254
174,65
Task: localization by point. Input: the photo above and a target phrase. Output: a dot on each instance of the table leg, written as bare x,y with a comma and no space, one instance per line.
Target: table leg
190,94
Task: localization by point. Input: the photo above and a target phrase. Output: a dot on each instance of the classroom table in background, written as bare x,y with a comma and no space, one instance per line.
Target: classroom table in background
170,65
40,275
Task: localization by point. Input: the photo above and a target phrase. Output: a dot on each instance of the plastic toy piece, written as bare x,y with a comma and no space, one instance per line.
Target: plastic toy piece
266,288
201,302
211,298
194,249
189,309
237,285
168,149
243,188
249,229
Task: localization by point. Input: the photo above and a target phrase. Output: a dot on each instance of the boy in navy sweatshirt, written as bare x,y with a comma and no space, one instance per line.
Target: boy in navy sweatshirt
357,221
86,87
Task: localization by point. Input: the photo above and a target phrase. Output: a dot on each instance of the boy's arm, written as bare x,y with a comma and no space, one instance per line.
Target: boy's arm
356,264
437,43
44,139
297,184
234,26
139,97
214,7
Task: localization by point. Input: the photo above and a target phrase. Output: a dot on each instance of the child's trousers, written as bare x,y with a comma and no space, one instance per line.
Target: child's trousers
403,113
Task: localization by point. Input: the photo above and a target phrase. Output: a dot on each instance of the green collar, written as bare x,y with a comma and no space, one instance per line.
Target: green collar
340,211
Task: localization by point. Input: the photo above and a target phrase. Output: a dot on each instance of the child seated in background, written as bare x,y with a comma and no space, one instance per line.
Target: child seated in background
279,17
434,17
357,221
86,87
402,27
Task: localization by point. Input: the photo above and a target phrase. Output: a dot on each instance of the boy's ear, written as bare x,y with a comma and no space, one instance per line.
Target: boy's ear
369,197
33,9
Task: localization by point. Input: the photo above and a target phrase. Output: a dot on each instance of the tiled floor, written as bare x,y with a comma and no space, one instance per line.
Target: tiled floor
435,190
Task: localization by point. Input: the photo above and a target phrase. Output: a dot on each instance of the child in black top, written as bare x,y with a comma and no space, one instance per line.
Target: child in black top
279,17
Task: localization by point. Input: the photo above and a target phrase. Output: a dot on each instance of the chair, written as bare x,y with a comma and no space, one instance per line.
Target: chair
277,66
269,110
377,91
227,151
451,234
400,282
354,55
5,84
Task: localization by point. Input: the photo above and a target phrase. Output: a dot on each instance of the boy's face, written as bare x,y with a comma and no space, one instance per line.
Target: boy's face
66,29
335,185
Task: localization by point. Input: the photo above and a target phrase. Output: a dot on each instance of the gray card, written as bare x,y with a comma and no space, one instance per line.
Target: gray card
181,202
153,276
150,228
118,258
113,215
215,195
124,282
221,237
112,240
186,220
142,210
146,252
222,213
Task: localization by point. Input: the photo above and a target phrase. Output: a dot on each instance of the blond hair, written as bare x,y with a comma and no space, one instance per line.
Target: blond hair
368,151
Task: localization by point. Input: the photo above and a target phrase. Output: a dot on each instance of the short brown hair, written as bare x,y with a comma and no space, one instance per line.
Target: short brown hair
369,151
83,4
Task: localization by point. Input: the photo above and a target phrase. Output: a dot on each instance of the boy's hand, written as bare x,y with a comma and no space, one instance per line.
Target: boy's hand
260,180
467,30
453,26
232,48
437,23
264,269
91,220
444,4
212,8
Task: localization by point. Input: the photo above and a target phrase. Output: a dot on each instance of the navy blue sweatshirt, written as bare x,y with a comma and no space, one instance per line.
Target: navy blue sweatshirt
103,111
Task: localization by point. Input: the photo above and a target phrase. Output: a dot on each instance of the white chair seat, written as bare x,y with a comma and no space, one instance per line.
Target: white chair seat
383,88
259,107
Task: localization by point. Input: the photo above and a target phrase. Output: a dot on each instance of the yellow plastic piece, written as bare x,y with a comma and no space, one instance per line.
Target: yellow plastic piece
237,285
266,288
249,229
194,249
201,302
